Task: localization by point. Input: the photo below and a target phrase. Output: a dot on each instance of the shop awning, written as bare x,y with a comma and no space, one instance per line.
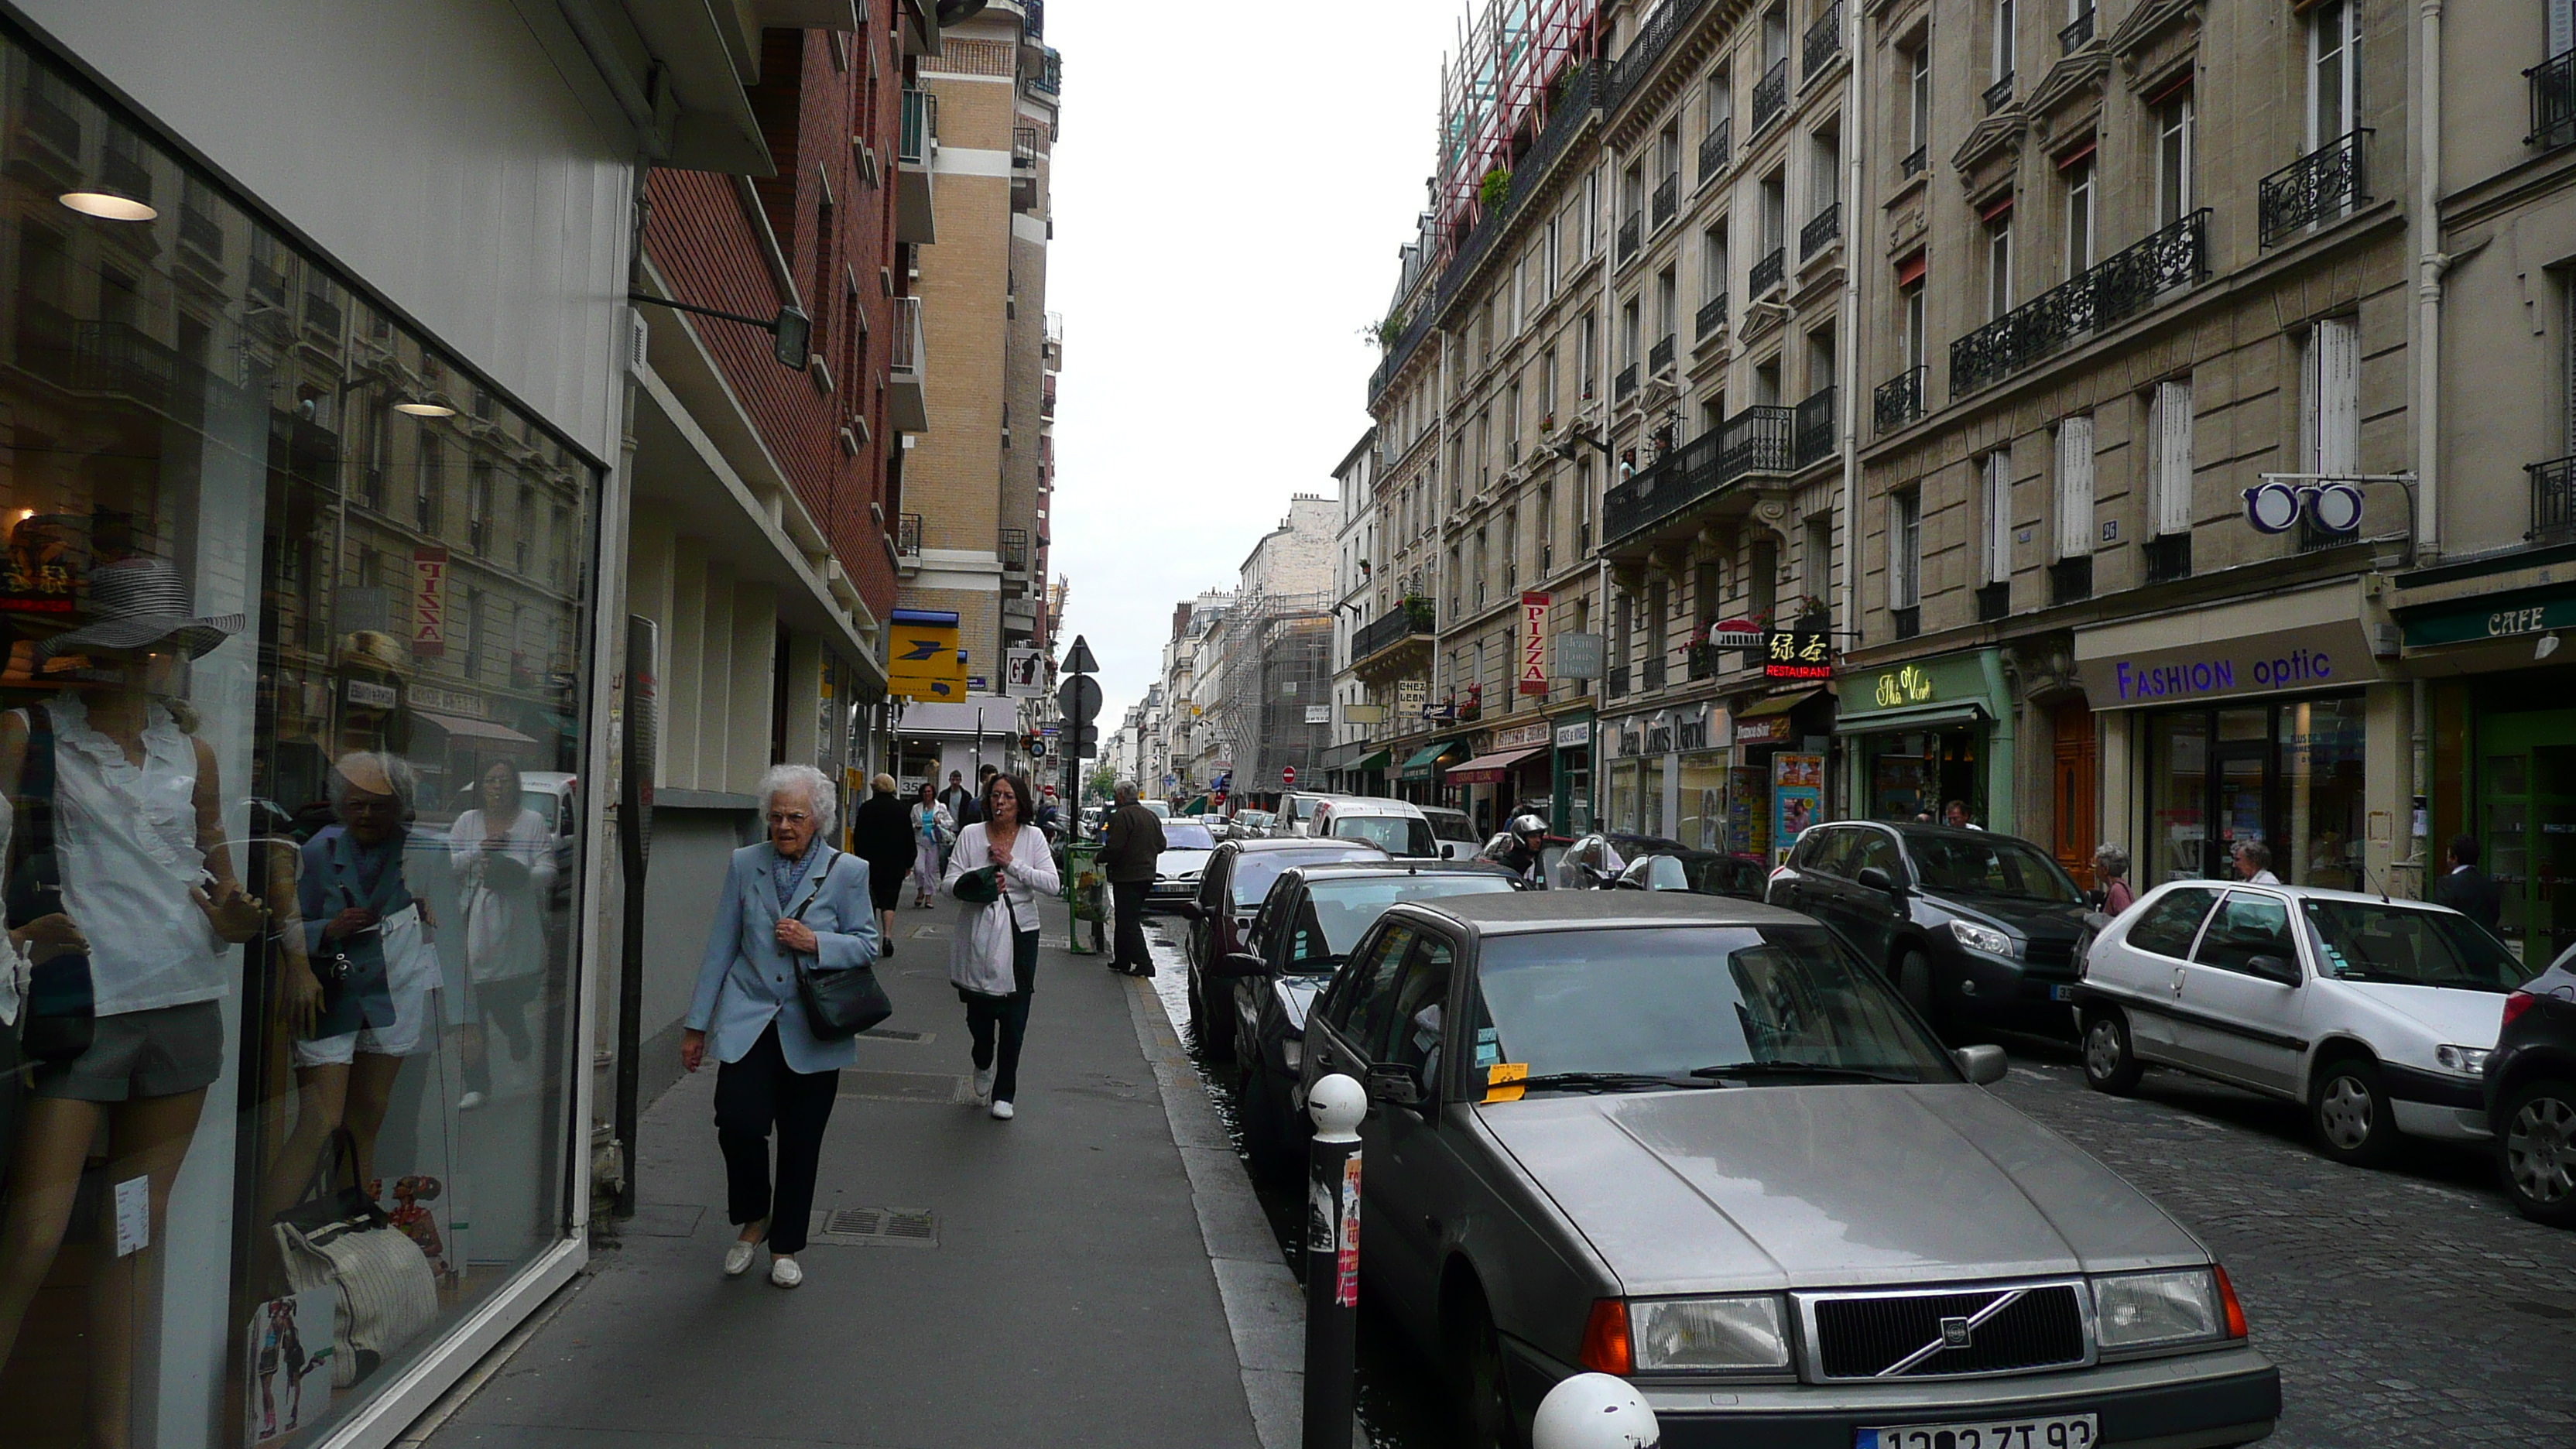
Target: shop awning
459,727
1911,717
1370,762
1491,769
1423,761
1776,704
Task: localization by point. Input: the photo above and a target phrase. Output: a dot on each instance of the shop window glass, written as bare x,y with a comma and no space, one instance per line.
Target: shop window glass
293,886
1624,776
1702,825
2177,798
2320,773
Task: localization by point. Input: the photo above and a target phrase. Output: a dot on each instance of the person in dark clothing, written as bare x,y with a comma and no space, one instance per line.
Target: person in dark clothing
960,802
2467,889
1135,842
1521,858
881,834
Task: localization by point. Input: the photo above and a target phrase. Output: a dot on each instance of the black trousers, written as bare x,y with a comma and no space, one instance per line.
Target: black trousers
752,1096
1127,900
1005,1017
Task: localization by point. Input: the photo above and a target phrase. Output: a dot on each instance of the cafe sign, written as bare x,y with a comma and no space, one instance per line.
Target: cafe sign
2510,617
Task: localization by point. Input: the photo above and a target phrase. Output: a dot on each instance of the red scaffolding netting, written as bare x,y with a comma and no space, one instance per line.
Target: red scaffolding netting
1494,94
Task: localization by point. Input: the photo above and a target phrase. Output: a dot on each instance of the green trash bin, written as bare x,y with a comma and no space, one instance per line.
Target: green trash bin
1086,890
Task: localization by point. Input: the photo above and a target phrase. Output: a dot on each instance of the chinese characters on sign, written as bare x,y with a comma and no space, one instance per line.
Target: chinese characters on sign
1797,654
429,602
1534,644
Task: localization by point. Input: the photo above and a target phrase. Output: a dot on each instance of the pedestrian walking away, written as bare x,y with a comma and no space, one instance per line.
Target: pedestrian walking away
881,835
786,898
933,830
997,872
2465,888
1127,856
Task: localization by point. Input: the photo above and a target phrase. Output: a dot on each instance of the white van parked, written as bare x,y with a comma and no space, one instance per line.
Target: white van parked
1394,826
1296,814
1455,832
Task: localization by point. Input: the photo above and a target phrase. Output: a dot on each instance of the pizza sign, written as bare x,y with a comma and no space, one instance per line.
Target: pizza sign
429,602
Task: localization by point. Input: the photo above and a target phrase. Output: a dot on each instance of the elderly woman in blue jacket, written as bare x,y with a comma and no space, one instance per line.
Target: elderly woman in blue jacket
790,896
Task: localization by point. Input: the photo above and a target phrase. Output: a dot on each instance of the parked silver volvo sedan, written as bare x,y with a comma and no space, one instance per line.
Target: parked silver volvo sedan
1697,1142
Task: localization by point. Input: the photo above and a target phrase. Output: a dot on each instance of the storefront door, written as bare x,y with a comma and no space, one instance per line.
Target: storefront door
2239,769
2074,779
2527,813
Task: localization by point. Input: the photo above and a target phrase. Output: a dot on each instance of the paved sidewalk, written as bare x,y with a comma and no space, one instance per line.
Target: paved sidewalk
1072,1296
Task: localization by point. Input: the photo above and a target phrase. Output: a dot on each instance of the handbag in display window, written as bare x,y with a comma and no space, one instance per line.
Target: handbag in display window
839,1004
383,1291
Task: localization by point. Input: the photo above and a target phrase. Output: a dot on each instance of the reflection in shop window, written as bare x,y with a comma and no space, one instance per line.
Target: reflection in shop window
288,970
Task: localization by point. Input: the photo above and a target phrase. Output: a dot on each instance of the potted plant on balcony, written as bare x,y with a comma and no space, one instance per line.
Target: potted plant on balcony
1494,188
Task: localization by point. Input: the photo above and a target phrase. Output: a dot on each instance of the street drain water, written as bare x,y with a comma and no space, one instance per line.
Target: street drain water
870,1227
930,1088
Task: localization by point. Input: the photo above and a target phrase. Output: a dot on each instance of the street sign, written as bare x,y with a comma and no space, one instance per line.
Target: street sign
1080,661
1287,774
1037,749
1079,698
1534,643
922,657
1023,674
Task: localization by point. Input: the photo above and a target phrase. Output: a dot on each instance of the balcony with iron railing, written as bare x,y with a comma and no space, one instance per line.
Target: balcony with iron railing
123,169
1614,685
1824,41
2127,283
1408,621
2166,557
2324,186
1815,439
1632,234
202,232
2000,94
1994,602
1768,273
1651,671
1908,621
1756,440
50,121
2553,102
1771,95
916,154
1046,398
1821,231
1715,149
2553,500
1667,198
1705,661
1712,316
2070,580
2076,34
1047,76
1013,549
1898,401
1660,356
1624,384
1024,168
1914,162
907,371
321,315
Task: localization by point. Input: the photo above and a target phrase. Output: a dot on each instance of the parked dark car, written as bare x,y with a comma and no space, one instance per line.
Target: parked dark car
1708,872
1231,888
1972,926
1305,928
2531,1095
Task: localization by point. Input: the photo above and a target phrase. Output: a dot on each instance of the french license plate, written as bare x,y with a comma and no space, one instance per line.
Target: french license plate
2069,1431
2061,993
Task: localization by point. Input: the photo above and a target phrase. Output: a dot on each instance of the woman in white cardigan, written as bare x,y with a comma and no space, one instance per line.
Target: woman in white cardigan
993,961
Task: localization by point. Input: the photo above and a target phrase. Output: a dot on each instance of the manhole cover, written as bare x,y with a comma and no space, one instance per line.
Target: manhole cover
876,1227
936,1088
896,1033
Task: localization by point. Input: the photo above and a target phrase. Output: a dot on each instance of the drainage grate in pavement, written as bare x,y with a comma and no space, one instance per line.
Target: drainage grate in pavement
932,1088
664,1220
876,1227
896,1033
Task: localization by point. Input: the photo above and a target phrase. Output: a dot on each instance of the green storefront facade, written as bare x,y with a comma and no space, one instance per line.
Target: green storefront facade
1921,732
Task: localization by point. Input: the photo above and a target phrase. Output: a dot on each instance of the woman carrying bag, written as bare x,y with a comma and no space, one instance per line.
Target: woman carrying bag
999,869
791,905
934,831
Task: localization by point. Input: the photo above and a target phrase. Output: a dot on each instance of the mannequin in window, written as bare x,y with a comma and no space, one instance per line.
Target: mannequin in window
121,894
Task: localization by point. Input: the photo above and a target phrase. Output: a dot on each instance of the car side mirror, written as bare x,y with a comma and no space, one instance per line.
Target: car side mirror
2273,968
1393,1086
1984,1065
1878,879
1241,964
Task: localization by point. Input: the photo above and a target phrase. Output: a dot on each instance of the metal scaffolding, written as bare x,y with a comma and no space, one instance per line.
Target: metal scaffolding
1494,99
1277,658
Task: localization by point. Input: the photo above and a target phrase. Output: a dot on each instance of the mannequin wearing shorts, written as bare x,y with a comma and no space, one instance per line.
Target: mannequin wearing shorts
136,836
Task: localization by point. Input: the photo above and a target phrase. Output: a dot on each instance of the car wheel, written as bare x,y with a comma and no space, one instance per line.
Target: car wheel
1198,1011
1914,983
2537,1152
2350,1111
1479,1378
2109,1065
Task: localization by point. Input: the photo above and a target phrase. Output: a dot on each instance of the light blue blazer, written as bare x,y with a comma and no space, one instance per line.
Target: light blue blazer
748,980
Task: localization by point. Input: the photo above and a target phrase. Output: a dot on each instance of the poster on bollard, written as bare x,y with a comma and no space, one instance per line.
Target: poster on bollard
1346,1267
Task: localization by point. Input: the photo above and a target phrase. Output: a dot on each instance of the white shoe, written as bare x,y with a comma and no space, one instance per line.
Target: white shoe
983,1084
785,1273
1002,1111
469,1101
738,1255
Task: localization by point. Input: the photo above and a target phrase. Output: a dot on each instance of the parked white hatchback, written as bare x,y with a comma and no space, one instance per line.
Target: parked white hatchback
2376,1015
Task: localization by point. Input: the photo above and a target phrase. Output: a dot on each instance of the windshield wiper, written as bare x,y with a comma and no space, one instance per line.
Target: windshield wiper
1803,1069
1605,1082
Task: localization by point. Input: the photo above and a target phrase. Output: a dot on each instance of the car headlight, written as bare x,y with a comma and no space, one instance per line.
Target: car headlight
2144,1310
2466,1060
1702,1335
1981,938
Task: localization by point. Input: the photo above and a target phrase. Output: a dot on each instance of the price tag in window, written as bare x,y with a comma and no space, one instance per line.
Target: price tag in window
1503,1079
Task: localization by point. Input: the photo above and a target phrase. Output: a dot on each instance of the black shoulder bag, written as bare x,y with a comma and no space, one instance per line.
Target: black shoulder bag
839,1004
60,1016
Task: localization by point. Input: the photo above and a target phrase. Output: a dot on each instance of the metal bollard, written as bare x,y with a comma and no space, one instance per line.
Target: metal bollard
1332,1259
1595,1411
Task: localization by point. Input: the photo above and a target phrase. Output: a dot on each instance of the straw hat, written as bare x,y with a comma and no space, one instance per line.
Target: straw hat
138,601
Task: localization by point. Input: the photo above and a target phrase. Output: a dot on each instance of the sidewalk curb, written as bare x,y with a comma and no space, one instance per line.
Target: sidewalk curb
1265,1310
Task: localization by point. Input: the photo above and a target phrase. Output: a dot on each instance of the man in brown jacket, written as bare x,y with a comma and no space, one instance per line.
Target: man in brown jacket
1127,856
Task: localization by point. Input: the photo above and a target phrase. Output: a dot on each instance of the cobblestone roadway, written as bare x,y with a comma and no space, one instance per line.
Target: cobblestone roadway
2407,1306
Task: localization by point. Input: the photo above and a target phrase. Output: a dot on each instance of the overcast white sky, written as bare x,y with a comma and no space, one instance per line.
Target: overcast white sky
1230,189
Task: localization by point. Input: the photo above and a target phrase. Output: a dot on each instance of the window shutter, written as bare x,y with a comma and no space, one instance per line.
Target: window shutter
1998,517
2562,28
2173,458
2075,487
2333,404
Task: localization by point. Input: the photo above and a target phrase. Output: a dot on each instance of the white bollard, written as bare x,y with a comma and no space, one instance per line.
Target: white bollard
1595,1411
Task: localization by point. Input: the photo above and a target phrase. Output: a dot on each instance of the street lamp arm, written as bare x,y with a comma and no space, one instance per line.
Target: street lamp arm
789,331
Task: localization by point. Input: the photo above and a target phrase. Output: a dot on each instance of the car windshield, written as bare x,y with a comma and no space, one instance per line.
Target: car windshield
1159,808
1394,834
2368,941
1256,869
1999,866
1336,912
1664,1002
1726,875
1187,835
1449,826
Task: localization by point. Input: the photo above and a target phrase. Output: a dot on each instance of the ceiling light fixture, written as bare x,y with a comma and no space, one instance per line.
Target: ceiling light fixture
425,409
108,206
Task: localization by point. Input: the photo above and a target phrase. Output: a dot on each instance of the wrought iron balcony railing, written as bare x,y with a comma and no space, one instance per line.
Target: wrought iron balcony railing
1706,661
1715,148
1908,620
1756,440
2121,286
907,535
2070,580
1824,41
2167,558
2553,102
1659,356
1821,231
1616,684
1768,272
1048,76
1653,670
2077,34
2553,500
1014,550
1994,602
1668,197
2000,94
201,231
1625,384
51,122
321,314
1712,316
1632,232
123,170
1898,401
1914,162
1665,25
1815,426
1391,628
1771,95
2322,186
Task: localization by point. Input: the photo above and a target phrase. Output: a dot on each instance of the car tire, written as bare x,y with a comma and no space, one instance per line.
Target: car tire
1915,982
2109,1065
1198,1012
2536,1151
1480,1379
2349,1111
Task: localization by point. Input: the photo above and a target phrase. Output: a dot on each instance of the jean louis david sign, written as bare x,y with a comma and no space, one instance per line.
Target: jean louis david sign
2320,656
